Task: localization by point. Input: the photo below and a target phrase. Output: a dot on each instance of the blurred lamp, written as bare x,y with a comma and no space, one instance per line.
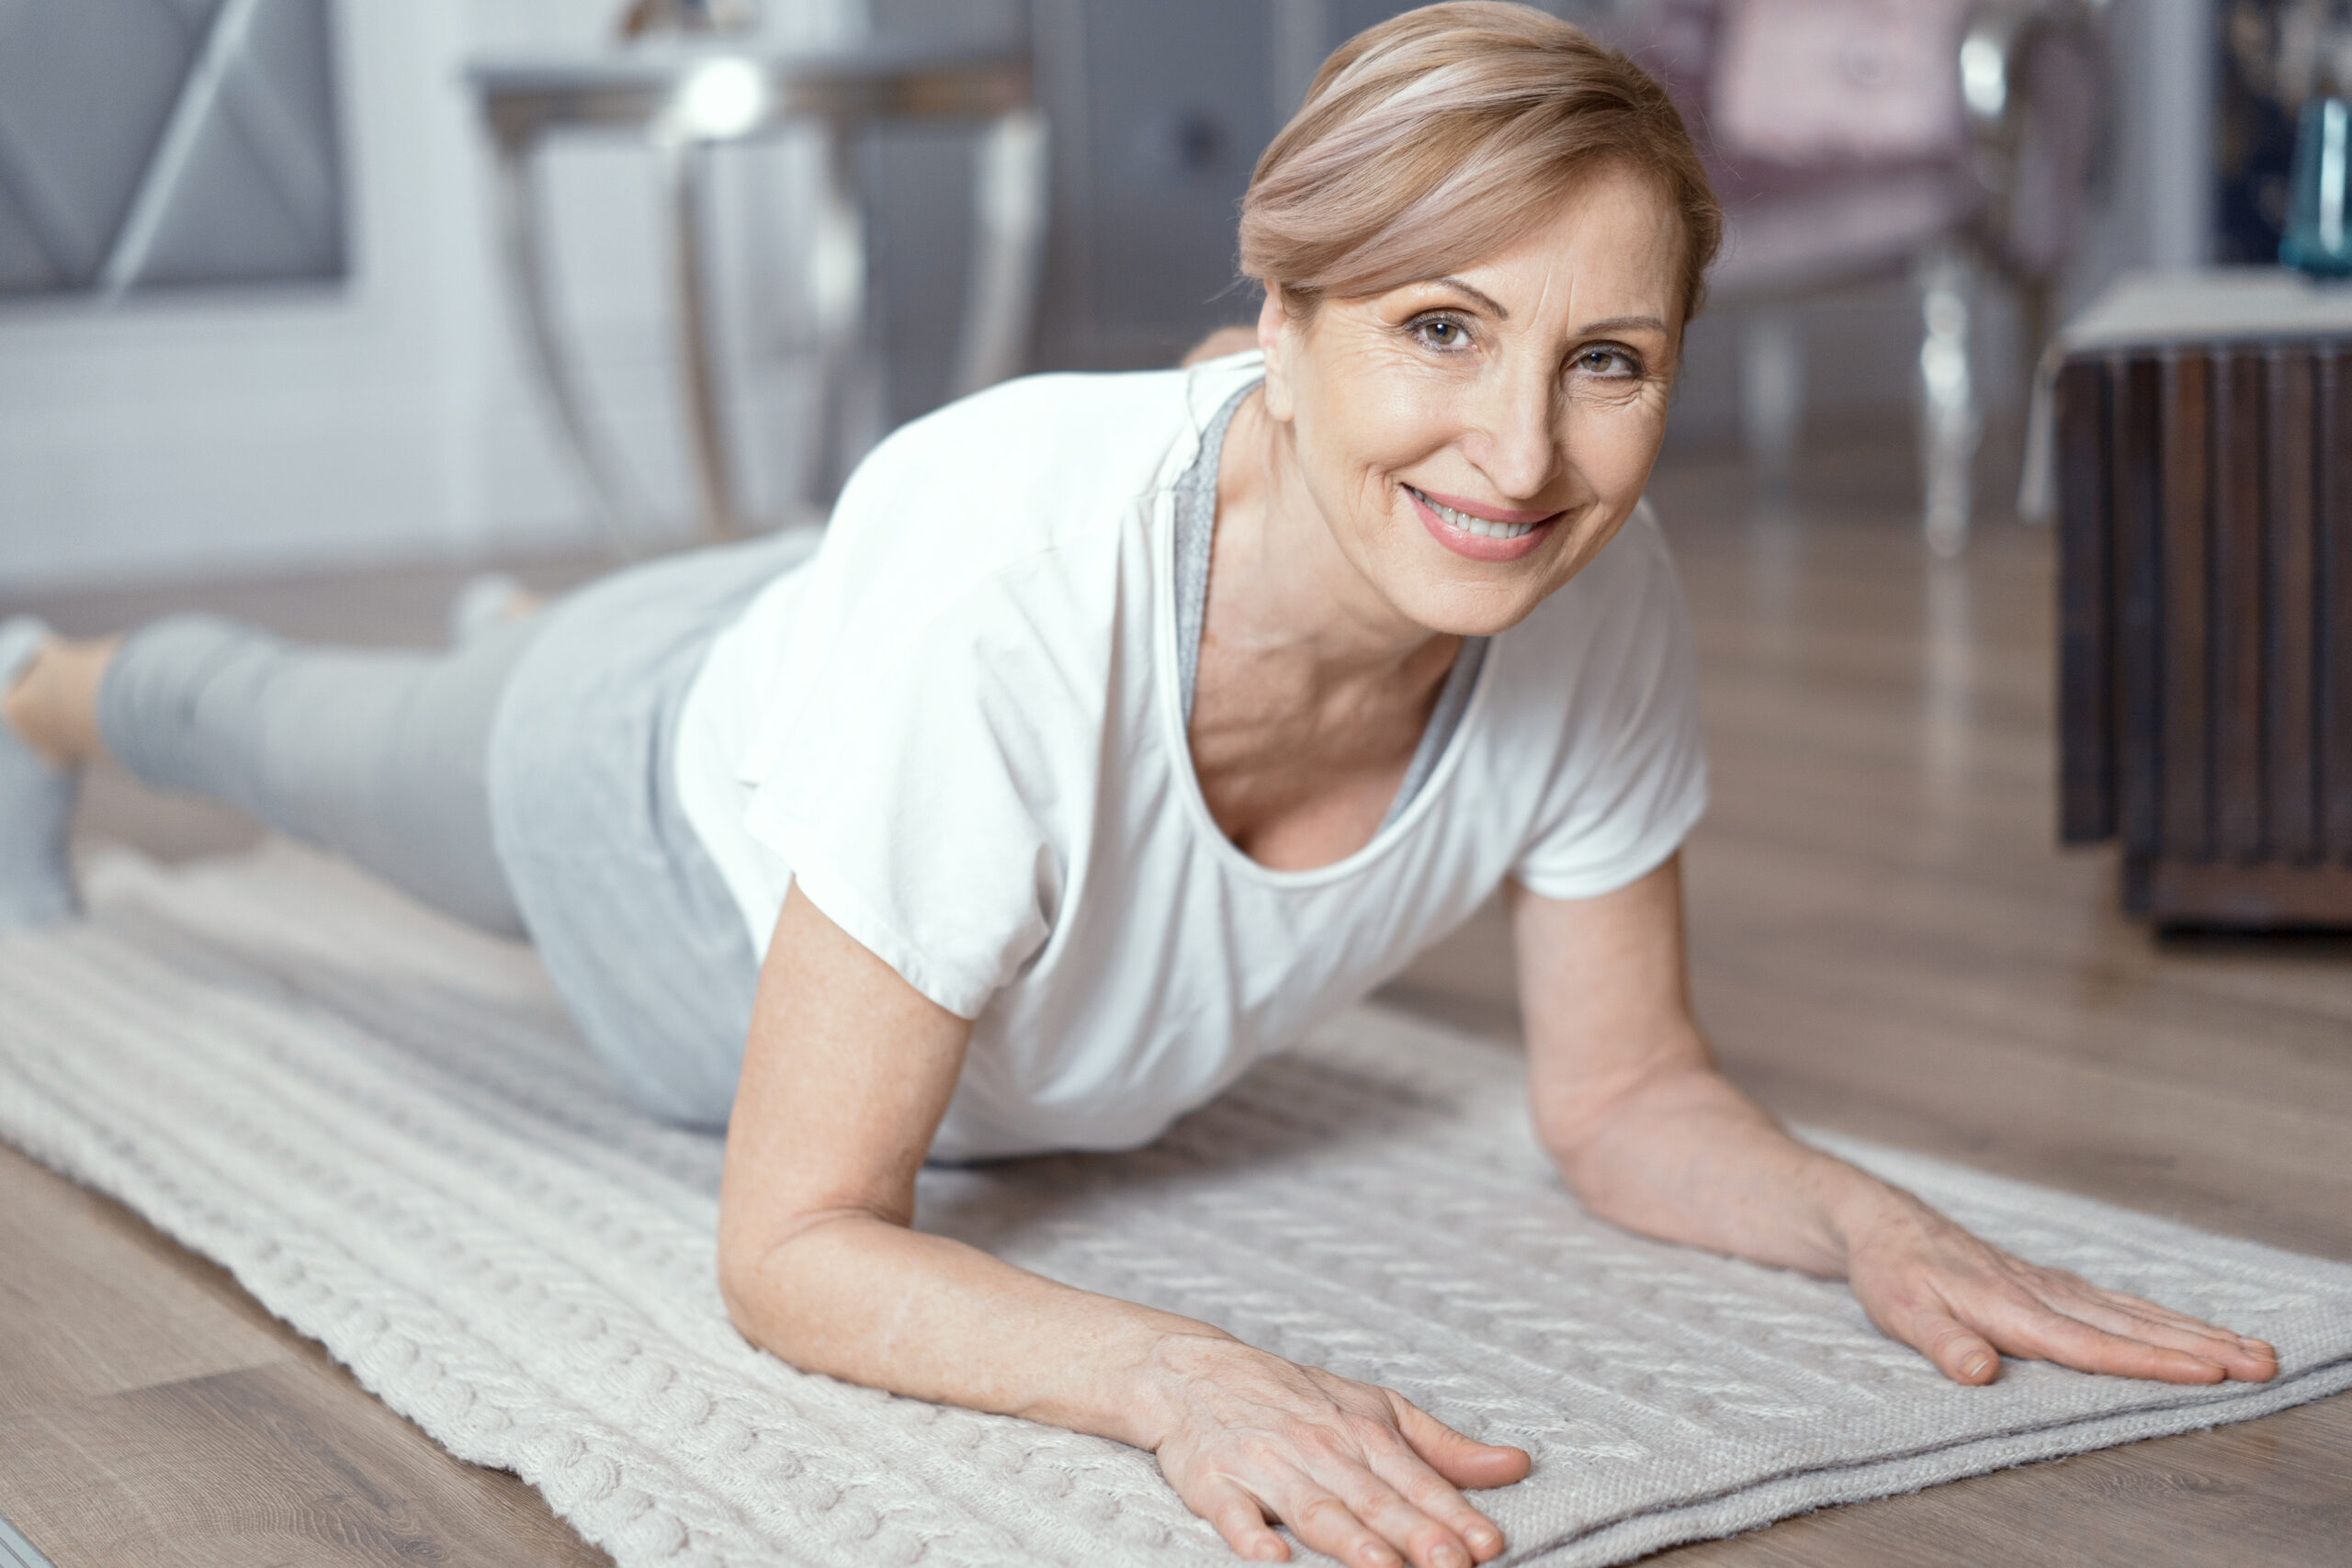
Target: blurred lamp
1983,77
2317,239
721,99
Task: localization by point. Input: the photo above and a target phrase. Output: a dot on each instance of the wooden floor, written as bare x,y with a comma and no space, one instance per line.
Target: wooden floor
1885,941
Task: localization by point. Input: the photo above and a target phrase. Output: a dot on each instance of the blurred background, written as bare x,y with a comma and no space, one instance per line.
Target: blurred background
258,310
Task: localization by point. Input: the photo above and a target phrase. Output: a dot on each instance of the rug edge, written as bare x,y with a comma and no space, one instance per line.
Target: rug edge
1763,1505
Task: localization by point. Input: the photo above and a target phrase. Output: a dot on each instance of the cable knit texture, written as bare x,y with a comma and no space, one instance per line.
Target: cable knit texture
381,1125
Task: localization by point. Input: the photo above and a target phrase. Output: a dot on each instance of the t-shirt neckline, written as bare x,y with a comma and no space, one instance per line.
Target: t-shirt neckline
1192,537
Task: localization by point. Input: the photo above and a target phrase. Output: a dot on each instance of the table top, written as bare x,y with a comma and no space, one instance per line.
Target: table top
525,97
2146,310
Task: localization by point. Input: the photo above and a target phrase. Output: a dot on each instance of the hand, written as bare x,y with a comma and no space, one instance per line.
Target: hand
1963,1304
1357,1471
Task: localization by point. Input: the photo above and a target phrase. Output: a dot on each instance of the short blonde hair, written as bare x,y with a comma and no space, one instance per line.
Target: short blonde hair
1445,134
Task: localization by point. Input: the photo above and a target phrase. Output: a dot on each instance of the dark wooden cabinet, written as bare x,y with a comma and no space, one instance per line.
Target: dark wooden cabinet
2205,669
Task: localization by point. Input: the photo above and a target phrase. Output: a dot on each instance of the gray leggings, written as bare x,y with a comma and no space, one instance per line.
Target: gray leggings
381,757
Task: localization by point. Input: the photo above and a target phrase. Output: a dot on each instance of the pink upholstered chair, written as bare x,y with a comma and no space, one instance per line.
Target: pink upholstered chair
1946,139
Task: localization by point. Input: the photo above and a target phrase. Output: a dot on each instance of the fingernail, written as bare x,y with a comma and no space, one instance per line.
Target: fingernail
1974,1366
1450,1557
1484,1538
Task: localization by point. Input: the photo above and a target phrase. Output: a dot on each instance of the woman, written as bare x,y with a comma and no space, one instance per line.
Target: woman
1121,728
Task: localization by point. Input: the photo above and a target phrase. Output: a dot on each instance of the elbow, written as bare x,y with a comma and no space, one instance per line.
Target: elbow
1575,1130
1572,1140
1563,1129
756,1266
1604,1145
740,1269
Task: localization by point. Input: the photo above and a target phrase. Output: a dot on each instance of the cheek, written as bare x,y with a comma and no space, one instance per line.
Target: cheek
1613,443
1359,420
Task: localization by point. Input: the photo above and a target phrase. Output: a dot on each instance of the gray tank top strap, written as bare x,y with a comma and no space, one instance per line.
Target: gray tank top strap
1196,536
1453,702
1195,533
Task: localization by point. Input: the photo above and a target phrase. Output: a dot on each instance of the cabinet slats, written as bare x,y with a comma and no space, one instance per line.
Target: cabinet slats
2205,675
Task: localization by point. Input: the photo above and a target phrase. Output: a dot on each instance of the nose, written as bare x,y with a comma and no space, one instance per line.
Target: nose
1515,437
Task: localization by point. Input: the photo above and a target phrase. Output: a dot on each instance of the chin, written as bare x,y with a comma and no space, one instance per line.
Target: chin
1458,608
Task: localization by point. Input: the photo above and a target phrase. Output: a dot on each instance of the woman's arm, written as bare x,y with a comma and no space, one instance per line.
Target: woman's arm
846,1074
1652,1137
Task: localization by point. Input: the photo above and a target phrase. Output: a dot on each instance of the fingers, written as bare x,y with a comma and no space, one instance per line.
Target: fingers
1364,1499
2050,1335
1345,1511
1395,1525
1433,1494
1365,1521
2090,1334
1959,1351
1238,1518
1356,1472
1462,1461
1320,1519
1964,1304
2248,1361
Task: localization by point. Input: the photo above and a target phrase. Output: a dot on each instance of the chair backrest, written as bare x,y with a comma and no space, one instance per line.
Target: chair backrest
1801,82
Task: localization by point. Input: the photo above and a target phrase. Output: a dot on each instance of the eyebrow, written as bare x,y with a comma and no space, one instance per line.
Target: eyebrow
1480,295
1619,323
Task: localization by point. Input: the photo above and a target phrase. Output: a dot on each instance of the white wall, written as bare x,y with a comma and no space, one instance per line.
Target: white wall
239,431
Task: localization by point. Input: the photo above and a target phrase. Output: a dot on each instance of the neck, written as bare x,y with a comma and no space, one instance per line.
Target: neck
1280,585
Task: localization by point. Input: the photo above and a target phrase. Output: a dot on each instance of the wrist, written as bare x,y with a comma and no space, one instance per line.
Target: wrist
1147,1400
1859,1211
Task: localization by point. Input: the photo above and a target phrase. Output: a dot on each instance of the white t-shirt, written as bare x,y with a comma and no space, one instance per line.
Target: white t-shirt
958,727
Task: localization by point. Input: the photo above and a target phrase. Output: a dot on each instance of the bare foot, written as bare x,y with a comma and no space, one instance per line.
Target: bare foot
43,739
54,704
487,602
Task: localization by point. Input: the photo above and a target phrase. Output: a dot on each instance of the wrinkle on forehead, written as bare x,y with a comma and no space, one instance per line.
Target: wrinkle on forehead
1560,279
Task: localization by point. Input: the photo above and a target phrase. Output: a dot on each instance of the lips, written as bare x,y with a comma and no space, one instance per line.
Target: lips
1489,533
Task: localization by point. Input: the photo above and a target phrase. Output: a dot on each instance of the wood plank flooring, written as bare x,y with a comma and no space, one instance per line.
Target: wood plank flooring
1885,941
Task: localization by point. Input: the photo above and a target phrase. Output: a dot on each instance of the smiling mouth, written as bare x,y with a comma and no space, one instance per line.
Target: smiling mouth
1478,527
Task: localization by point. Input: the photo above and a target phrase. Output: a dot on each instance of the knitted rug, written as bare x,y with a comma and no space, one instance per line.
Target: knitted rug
382,1126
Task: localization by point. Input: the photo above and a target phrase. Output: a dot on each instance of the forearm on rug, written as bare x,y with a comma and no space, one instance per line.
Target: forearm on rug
1688,1157
1646,1130
846,1074
859,1297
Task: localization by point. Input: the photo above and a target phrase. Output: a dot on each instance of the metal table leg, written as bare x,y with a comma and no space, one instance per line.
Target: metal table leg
1008,199
619,508
525,103
685,175
839,284
1950,424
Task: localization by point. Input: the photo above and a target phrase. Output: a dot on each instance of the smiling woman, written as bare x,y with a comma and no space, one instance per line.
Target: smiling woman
1120,728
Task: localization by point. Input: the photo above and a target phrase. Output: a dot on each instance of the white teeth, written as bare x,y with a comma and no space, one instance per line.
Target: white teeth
1478,526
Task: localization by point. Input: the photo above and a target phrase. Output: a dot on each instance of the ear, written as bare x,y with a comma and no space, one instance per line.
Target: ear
1278,336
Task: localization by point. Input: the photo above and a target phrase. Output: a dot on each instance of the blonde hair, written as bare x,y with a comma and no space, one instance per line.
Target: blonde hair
1442,135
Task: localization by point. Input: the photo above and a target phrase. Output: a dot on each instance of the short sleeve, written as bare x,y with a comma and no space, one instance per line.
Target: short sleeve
914,793
1629,780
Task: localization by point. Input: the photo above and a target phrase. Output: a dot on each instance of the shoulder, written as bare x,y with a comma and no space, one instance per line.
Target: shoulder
1033,482
1017,466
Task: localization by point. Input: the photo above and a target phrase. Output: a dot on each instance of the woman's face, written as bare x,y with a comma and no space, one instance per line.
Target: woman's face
1473,441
